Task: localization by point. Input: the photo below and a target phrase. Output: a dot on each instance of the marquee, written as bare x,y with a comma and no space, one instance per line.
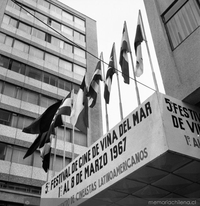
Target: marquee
147,138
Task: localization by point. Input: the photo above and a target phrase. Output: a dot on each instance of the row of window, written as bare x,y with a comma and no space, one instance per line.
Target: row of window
54,8
19,187
25,95
19,121
181,19
13,153
36,74
43,36
40,54
51,22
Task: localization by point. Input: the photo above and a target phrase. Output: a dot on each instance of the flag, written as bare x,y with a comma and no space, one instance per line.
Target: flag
94,85
123,59
79,116
43,139
111,70
138,49
43,143
64,109
42,123
36,144
45,153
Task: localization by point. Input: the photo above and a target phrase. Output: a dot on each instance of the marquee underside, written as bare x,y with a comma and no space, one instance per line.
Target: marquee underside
171,176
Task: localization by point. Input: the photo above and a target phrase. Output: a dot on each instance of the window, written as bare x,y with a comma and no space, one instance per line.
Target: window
43,3
55,41
4,61
5,117
2,151
55,9
27,11
46,101
2,38
37,161
68,47
18,154
51,58
9,41
79,52
79,70
63,84
21,46
65,65
79,36
36,52
24,27
67,15
67,30
10,21
33,73
79,21
6,19
41,17
76,88
1,87
180,20
50,79
12,90
30,96
5,152
38,34
57,164
13,5
55,25
18,67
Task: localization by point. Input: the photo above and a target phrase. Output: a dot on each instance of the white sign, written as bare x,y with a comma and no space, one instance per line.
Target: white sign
161,123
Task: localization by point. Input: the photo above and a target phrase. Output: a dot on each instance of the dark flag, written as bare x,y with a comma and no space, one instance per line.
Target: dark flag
111,70
94,85
79,116
123,59
138,49
43,122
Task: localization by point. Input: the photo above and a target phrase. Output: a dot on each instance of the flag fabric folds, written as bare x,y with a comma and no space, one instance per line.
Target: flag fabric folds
51,118
138,49
38,142
123,59
94,85
42,123
45,153
79,116
64,109
111,70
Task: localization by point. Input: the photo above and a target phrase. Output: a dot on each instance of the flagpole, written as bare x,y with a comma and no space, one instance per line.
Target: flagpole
48,172
73,127
55,150
136,87
73,141
135,81
64,144
147,46
104,79
119,91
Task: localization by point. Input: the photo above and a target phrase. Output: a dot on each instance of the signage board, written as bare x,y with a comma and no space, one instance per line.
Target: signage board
159,124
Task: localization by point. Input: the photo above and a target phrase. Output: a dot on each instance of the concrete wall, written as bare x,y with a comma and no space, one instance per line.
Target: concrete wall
179,68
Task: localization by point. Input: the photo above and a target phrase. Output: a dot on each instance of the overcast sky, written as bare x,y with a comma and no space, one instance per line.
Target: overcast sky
110,16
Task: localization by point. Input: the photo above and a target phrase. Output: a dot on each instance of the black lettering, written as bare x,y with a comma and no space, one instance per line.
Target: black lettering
169,107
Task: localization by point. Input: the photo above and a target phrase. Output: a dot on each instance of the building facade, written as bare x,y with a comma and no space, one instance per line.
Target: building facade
175,31
38,66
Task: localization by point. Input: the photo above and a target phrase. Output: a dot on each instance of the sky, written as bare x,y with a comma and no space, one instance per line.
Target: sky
110,16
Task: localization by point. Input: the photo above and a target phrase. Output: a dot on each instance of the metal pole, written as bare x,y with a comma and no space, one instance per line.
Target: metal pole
145,39
104,79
